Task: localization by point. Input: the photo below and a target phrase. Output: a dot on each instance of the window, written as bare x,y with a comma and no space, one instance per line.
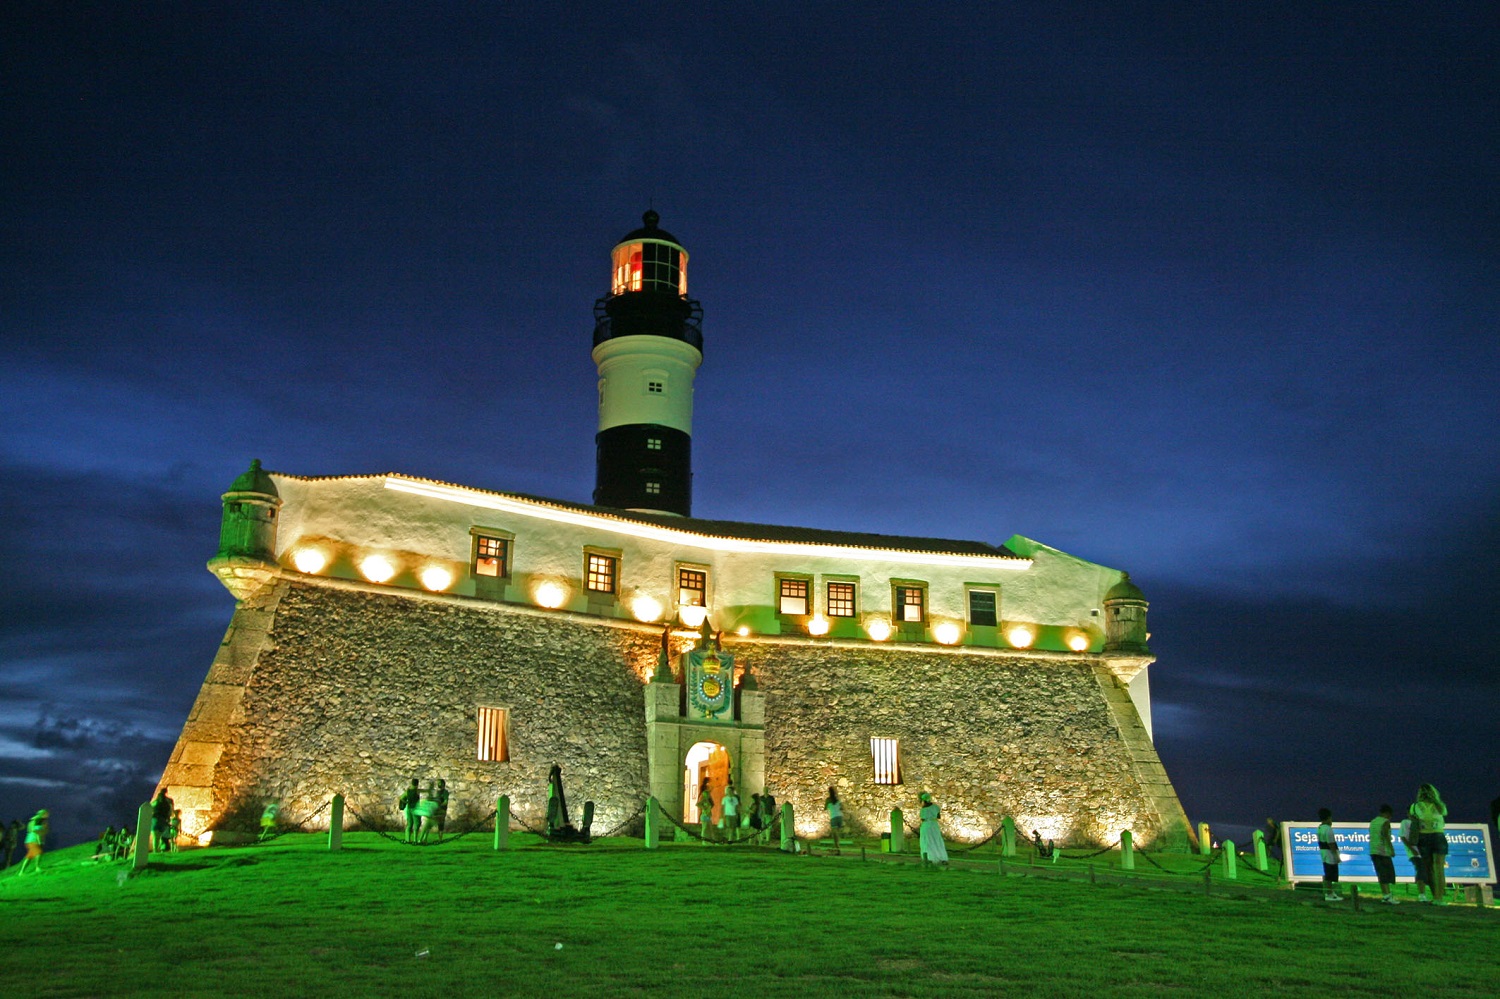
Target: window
491,556
982,607
494,737
653,443
793,597
911,604
887,755
655,387
692,588
600,572
840,599
653,488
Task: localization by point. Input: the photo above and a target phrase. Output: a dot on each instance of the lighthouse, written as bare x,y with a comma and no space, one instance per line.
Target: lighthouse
648,343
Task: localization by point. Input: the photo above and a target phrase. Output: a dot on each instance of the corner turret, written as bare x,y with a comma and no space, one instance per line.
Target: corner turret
1125,617
246,559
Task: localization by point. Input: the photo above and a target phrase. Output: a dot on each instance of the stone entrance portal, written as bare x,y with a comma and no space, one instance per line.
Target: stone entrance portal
707,762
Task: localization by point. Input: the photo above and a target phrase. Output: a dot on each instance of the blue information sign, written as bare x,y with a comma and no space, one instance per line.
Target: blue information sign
1470,859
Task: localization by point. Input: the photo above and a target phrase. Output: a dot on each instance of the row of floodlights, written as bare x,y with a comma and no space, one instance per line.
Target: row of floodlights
552,595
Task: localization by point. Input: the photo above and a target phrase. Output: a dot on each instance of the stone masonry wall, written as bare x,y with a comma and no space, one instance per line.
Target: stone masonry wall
357,691
1033,737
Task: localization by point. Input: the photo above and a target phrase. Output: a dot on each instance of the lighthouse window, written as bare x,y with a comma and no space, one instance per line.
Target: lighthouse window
600,572
887,758
653,488
494,741
656,387
793,597
692,587
840,599
982,607
911,603
491,556
653,443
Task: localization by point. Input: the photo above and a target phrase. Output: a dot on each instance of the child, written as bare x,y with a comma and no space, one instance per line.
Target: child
835,809
1330,849
1409,827
1383,853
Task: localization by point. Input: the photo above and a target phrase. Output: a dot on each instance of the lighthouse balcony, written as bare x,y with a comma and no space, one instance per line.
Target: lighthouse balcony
647,313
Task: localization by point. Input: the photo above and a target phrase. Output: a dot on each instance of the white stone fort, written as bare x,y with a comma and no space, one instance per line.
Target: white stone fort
392,626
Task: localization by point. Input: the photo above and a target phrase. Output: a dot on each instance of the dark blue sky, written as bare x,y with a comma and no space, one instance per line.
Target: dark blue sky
1209,297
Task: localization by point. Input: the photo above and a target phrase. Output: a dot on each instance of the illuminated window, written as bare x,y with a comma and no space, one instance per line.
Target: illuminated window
692,587
982,607
655,387
887,756
600,572
653,488
491,556
840,599
494,737
649,266
653,443
911,604
793,596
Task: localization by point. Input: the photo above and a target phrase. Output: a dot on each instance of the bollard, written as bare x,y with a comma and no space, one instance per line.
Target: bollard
653,817
336,824
898,831
1355,896
1208,882
1008,836
1261,860
142,838
1231,862
1127,851
788,837
502,822
1205,841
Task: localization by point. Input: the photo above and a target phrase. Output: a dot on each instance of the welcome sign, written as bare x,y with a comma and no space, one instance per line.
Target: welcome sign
1470,859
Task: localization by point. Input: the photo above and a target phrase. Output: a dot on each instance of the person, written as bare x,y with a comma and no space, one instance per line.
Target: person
757,818
106,845
8,836
768,802
408,802
441,818
1383,853
835,809
934,851
1432,839
268,820
427,813
161,818
1329,848
174,829
705,812
36,838
729,813
1409,828
1272,837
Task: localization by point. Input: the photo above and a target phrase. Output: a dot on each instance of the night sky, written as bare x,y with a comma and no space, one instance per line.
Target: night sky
1210,297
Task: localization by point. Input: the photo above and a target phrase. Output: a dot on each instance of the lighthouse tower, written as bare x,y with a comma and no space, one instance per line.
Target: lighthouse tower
648,343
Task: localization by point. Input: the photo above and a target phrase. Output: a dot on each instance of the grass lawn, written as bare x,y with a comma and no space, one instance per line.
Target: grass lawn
289,918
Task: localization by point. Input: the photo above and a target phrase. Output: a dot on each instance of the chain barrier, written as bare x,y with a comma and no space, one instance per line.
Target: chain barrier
374,827
638,813
1086,856
1213,857
970,849
298,826
747,841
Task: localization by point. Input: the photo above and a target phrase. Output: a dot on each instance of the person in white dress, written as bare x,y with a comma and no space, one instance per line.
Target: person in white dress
934,851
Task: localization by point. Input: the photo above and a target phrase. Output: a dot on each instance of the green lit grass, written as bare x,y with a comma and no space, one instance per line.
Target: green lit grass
289,918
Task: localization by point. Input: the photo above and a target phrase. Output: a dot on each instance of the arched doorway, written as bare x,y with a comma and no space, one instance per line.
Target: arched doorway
706,761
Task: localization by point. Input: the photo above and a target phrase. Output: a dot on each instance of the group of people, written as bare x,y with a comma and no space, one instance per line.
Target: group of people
33,836
930,843
115,844
734,820
1424,833
424,811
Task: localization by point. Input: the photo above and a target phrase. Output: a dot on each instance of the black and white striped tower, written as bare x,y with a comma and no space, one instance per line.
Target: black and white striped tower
648,343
